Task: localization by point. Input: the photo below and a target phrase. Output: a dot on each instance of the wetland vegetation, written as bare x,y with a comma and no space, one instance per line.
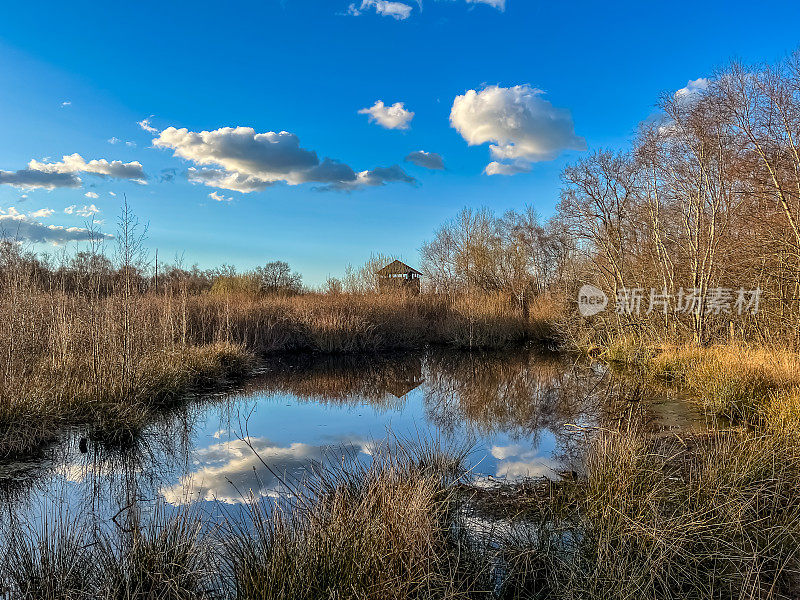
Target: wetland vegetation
99,356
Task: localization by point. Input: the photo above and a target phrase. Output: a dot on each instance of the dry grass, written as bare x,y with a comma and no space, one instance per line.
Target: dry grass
387,530
718,517
336,323
73,357
737,381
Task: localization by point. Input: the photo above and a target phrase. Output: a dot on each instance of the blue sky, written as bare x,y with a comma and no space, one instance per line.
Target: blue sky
75,76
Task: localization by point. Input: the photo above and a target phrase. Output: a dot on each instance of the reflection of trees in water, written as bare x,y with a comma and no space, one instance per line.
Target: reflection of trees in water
382,381
100,472
518,393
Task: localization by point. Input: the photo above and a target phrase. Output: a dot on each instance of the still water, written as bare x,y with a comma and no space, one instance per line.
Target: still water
523,414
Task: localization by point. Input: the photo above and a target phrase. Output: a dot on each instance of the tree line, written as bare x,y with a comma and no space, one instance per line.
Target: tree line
702,209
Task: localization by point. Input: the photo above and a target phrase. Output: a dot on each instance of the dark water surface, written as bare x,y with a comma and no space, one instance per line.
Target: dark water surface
523,413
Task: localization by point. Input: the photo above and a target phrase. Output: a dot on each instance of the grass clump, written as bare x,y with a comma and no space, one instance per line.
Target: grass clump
54,561
164,560
742,383
718,518
387,530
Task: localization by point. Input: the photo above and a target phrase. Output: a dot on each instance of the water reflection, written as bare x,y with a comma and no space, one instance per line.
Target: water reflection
229,471
524,412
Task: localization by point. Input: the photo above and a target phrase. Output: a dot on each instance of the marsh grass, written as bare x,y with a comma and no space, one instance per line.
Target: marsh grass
712,516
70,560
742,383
52,561
112,358
389,529
164,559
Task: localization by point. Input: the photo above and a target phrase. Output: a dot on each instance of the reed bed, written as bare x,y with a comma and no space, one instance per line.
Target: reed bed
390,529
81,356
740,382
712,516
349,323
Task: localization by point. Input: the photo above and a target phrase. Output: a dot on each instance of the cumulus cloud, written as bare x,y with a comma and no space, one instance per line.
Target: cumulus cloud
91,195
498,168
145,124
42,213
29,179
693,88
75,163
521,126
391,117
25,228
219,197
429,160
396,10
84,211
239,159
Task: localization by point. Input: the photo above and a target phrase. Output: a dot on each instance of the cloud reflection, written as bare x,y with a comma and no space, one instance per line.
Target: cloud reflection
230,471
517,462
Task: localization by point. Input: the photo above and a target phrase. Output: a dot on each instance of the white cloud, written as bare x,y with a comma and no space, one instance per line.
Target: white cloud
19,227
111,194
84,211
396,10
219,197
145,124
402,11
498,168
116,140
42,213
516,462
692,89
66,103
74,163
429,160
229,471
498,4
390,117
239,159
521,126
91,195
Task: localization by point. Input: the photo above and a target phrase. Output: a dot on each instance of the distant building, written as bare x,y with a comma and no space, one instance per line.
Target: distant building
398,276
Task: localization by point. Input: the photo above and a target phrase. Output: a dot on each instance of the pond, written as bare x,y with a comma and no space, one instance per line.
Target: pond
522,414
